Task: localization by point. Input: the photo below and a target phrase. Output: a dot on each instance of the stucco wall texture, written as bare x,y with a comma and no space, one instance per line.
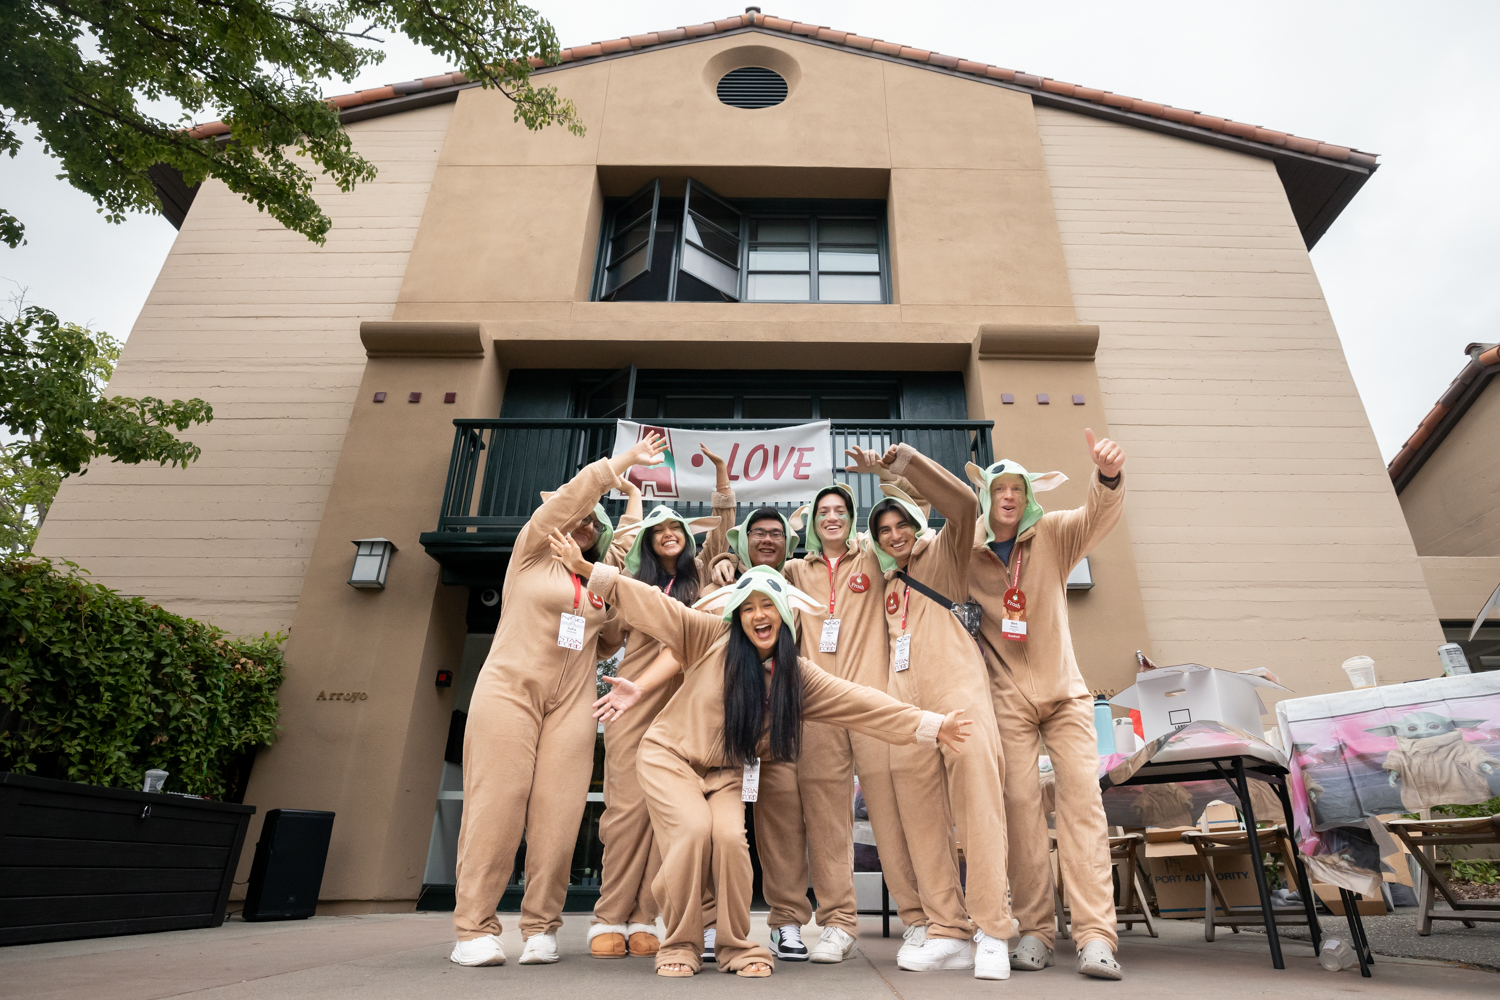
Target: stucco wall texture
1265,529
265,326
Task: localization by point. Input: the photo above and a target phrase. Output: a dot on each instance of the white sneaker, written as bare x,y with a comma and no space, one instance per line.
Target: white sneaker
914,937
1097,960
480,951
1031,954
786,944
991,957
834,946
936,954
541,949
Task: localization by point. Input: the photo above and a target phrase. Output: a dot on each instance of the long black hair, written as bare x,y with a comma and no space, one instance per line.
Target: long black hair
685,586
746,705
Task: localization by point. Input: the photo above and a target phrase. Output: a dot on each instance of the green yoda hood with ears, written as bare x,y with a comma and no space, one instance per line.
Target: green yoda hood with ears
808,513
765,580
739,542
894,496
1036,482
606,529
660,513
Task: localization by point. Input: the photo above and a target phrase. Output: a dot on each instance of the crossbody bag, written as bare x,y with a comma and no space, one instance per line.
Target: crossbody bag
969,613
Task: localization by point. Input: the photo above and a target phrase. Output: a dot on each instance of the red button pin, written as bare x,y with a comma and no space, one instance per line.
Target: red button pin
859,583
892,603
596,600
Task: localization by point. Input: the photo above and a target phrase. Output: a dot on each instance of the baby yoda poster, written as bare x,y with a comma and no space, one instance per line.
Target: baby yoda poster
1394,749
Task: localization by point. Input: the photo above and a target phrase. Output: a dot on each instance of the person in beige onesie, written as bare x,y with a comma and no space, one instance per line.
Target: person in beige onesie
744,696
662,554
1025,555
935,664
529,743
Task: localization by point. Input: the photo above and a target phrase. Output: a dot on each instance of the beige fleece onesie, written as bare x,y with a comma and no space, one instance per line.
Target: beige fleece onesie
936,792
1040,695
694,799
631,856
529,743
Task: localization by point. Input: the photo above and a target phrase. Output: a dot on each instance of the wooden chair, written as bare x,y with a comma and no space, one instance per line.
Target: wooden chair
1236,843
1422,838
1132,907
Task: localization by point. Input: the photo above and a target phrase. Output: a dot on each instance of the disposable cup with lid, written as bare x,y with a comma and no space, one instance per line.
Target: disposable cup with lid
1361,671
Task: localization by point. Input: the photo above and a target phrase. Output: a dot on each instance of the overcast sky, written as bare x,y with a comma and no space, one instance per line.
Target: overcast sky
1409,269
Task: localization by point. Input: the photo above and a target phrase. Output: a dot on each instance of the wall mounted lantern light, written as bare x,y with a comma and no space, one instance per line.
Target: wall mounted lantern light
372,558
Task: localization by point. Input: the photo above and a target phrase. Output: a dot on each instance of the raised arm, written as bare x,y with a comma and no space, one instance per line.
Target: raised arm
619,546
955,500
577,497
1080,530
716,541
644,608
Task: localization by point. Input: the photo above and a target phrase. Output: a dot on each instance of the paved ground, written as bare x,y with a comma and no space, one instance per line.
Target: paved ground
405,955
1396,935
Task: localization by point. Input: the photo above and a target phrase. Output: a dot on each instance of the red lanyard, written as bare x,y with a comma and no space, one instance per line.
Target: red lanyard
577,590
1015,576
668,589
905,596
833,597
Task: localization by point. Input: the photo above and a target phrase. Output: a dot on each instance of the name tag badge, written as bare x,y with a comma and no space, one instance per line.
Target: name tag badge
750,782
1013,621
570,631
1012,629
903,653
828,642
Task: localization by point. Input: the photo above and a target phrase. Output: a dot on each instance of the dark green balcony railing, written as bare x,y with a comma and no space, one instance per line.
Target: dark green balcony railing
500,467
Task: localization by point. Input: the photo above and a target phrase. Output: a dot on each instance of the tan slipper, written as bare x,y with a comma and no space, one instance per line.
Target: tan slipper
607,941
643,944
754,970
675,970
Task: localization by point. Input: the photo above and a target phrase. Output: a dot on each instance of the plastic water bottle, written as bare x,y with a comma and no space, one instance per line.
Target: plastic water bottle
1104,726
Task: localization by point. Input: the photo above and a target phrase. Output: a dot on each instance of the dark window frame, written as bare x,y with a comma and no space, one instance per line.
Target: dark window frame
755,209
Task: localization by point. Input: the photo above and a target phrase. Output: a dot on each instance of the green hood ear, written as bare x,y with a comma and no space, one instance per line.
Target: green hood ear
814,544
740,545
660,513
765,580
606,531
1036,482
888,563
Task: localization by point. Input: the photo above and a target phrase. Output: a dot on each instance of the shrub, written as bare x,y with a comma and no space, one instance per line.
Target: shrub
97,687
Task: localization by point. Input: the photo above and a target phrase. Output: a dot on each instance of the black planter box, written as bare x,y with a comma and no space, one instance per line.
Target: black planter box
81,861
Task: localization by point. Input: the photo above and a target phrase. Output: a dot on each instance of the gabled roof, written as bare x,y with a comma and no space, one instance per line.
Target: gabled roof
1320,178
1484,365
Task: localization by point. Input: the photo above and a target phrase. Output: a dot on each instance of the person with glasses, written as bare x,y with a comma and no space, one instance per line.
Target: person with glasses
529,742
744,697
664,555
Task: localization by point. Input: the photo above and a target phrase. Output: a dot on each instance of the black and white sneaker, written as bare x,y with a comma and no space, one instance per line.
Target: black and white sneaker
786,944
708,946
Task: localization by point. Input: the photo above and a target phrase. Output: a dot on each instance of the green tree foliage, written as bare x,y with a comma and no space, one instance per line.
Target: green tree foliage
96,687
52,380
83,73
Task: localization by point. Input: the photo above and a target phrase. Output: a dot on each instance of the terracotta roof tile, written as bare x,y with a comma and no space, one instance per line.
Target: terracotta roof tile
833,36
1484,363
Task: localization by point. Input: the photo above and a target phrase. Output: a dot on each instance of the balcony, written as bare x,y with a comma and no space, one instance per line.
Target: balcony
500,467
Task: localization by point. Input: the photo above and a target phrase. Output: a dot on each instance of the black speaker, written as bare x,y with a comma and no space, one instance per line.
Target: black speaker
288,868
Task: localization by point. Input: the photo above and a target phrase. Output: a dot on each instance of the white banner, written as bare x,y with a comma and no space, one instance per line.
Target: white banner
781,465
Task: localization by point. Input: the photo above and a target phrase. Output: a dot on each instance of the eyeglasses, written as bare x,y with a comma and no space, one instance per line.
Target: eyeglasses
764,536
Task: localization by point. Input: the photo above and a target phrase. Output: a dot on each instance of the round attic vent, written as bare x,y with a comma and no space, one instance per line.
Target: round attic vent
752,87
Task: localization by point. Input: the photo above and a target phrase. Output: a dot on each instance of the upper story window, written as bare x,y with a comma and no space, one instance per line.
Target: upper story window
704,248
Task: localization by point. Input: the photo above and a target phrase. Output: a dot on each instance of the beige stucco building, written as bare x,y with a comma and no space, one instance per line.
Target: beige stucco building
911,245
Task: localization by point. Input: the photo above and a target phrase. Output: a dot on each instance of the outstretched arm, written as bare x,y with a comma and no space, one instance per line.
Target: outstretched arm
1080,530
576,498
717,540
624,693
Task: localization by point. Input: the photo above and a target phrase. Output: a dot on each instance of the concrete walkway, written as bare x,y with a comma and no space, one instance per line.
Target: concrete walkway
405,955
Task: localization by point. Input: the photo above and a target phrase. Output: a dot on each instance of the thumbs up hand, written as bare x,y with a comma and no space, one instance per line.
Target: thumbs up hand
1108,456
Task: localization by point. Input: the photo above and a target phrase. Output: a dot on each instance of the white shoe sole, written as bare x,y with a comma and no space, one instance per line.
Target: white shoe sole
1098,970
538,960
993,975
830,958
958,962
494,960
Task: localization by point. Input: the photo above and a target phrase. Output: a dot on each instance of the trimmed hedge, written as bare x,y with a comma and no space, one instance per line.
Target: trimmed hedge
97,687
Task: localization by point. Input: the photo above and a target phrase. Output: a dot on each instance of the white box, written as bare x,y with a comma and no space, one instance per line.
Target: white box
1171,697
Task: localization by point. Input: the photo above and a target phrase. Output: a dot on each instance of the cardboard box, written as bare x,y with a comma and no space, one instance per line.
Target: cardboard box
1171,697
1329,896
1178,881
